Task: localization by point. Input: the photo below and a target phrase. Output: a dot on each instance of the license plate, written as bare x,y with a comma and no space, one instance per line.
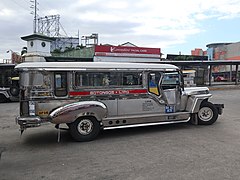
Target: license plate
169,109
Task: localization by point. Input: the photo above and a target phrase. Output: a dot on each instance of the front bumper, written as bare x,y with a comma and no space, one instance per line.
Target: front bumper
28,122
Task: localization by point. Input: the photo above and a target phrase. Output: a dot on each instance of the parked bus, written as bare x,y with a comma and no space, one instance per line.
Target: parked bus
94,96
9,87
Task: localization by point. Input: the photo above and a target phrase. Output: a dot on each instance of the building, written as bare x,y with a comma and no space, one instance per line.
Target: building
38,49
127,52
198,52
223,51
177,57
38,46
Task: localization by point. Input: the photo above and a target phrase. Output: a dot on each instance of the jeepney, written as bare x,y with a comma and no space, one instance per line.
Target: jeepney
9,88
92,96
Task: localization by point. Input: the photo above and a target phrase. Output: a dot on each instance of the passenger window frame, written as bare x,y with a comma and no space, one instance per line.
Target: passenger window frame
61,91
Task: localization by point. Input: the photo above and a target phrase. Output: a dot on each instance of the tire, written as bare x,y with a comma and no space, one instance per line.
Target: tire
84,129
207,113
14,91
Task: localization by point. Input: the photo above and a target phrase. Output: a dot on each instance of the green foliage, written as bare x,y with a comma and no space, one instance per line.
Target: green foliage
56,51
67,49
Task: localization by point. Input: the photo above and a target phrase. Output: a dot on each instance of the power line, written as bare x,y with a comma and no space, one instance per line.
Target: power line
52,26
26,2
19,4
28,5
44,8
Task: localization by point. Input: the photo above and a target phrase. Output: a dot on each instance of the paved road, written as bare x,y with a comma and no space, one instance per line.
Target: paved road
180,151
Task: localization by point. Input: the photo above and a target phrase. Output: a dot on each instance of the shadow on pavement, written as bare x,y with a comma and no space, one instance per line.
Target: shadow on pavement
50,136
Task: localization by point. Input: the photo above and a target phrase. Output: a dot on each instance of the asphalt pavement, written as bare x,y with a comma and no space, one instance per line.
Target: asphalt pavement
178,151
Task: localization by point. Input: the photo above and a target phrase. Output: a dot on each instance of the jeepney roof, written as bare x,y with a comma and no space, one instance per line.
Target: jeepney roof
53,66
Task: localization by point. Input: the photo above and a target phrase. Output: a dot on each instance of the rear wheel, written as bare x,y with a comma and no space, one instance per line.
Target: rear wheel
84,129
207,113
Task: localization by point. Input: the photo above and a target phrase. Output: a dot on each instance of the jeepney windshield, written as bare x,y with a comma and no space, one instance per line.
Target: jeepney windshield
33,79
172,78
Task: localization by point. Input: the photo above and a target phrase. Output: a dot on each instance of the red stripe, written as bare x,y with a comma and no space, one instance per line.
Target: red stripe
138,91
83,93
107,92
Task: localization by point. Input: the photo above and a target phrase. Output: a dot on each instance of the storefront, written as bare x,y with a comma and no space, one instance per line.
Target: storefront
126,54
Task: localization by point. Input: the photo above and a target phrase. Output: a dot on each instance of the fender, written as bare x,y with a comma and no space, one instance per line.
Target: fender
194,102
70,112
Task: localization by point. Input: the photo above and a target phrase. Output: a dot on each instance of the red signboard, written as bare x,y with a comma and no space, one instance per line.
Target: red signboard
126,51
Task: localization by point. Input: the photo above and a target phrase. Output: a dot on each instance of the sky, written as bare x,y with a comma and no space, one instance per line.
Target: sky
172,25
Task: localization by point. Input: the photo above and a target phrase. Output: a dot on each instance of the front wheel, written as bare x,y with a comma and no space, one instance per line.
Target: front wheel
84,129
207,113
14,91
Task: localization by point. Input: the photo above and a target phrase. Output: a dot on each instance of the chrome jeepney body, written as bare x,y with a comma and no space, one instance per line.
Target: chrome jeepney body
106,95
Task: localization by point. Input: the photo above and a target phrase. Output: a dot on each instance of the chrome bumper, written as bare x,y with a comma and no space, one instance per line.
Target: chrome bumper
28,122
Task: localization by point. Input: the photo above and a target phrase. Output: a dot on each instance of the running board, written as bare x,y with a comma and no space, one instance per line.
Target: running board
145,124
146,116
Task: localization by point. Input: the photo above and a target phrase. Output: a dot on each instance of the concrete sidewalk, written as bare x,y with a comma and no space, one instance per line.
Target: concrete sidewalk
223,87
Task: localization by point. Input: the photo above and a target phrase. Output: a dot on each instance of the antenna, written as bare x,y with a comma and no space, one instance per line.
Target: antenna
34,6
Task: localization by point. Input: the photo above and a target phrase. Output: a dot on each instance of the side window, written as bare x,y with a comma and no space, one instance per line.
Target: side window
153,81
133,78
60,80
99,79
107,79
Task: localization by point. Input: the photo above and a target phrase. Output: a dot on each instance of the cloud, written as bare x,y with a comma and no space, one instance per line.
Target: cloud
155,23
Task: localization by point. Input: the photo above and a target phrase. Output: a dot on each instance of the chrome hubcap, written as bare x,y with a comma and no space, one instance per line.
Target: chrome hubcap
85,127
205,114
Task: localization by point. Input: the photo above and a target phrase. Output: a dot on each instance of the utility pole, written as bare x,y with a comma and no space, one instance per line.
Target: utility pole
34,6
35,17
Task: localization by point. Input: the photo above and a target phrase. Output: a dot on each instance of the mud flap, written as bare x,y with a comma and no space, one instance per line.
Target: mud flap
57,126
219,108
194,119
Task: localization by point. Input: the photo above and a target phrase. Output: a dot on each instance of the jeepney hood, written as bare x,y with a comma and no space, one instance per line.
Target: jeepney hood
196,90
